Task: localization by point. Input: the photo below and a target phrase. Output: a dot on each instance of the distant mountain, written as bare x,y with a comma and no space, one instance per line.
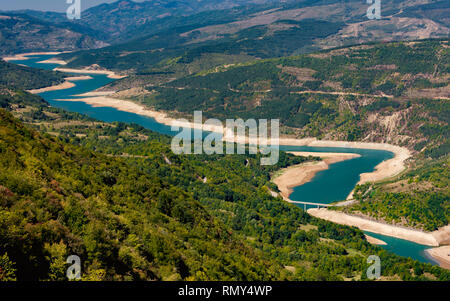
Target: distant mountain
22,33
125,15
184,45
438,11
120,20
60,20
215,20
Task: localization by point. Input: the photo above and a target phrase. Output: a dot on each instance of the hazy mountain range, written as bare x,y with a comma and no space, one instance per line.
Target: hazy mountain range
337,23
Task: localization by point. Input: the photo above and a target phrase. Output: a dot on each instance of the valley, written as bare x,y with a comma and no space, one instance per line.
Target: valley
88,165
99,103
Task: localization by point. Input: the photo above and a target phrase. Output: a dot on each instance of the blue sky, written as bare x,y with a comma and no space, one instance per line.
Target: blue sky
48,5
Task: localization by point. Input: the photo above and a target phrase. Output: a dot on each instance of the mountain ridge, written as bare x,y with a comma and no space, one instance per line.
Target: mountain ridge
21,33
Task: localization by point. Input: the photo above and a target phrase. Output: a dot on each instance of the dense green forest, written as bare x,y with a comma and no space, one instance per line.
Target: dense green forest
391,92
115,195
28,78
420,198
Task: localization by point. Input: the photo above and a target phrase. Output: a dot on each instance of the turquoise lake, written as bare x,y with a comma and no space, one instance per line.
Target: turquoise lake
333,184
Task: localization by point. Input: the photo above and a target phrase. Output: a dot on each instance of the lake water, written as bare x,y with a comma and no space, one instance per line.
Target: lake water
333,184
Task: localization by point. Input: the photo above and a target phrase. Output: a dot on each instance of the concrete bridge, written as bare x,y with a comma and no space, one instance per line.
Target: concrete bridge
318,205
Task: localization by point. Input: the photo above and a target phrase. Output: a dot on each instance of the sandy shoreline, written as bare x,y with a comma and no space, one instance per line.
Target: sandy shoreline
420,237
441,255
65,85
76,78
94,94
442,235
86,70
331,157
133,107
386,169
110,74
53,61
24,56
300,174
62,86
375,241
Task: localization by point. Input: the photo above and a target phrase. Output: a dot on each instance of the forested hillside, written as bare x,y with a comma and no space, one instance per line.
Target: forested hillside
391,92
59,197
397,93
420,198
26,78
115,194
58,200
